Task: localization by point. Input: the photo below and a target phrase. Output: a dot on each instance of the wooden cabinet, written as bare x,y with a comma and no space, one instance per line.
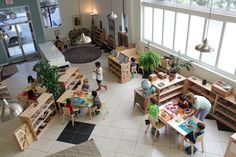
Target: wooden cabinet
223,108
141,100
122,39
121,70
110,43
71,79
99,36
37,117
4,93
169,90
74,34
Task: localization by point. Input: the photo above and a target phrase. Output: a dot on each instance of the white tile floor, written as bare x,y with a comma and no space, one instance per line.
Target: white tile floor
119,134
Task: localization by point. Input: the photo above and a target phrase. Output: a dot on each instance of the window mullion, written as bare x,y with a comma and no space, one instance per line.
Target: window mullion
163,19
204,35
186,48
220,45
152,24
173,47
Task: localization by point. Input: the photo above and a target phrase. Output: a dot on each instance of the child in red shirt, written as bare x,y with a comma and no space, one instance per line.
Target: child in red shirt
68,105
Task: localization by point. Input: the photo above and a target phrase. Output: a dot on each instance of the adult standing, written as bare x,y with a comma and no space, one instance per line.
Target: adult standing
201,106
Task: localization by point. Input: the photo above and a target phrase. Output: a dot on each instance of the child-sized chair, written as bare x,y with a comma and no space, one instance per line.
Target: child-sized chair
66,112
134,71
102,109
157,125
198,139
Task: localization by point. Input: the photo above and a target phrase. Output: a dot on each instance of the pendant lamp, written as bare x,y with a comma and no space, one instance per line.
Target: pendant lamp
112,15
9,110
83,39
204,46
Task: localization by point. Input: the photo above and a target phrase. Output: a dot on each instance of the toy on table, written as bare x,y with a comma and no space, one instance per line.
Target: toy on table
188,126
172,108
80,93
165,115
77,101
148,89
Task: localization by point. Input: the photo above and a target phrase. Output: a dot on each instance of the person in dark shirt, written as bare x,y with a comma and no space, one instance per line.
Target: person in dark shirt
31,95
96,101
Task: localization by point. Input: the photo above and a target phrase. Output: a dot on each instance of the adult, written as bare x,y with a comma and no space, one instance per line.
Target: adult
201,106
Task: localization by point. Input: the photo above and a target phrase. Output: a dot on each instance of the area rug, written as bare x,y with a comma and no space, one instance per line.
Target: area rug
8,70
76,134
82,54
85,149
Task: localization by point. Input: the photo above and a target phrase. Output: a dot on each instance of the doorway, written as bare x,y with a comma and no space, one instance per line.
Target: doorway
19,41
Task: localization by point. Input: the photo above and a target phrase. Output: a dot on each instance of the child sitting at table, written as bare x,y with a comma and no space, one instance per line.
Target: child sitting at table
31,95
192,136
96,102
85,86
72,109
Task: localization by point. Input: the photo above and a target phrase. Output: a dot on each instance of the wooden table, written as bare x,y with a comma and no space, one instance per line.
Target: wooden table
175,122
22,96
70,94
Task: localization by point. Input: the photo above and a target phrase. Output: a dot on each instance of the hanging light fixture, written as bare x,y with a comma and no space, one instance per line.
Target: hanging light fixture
204,46
9,109
112,15
83,39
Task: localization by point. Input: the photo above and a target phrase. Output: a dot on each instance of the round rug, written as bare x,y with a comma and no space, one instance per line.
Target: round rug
82,54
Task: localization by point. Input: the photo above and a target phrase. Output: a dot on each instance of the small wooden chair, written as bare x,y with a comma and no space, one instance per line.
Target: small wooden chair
198,139
156,125
101,109
66,112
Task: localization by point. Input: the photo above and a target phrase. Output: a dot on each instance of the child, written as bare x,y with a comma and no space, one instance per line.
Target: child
96,101
85,86
182,103
31,80
99,76
192,136
58,43
31,95
153,109
68,105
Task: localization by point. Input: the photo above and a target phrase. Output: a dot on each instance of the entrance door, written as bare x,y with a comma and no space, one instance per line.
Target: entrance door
19,41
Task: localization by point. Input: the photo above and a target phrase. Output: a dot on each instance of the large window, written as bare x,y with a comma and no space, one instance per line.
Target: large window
51,13
175,30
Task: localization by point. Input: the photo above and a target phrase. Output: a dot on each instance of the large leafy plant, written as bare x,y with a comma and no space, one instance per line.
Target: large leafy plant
149,60
177,64
48,77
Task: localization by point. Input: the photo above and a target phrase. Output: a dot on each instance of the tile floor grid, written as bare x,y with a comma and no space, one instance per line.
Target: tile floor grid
120,103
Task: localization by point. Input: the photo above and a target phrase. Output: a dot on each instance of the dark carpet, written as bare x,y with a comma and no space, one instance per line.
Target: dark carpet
76,134
82,54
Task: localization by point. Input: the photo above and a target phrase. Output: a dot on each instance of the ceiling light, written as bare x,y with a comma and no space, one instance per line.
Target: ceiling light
83,39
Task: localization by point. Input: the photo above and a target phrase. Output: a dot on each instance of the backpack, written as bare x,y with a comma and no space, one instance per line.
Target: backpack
188,150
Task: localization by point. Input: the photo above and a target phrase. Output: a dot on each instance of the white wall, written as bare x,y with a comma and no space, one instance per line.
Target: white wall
68,8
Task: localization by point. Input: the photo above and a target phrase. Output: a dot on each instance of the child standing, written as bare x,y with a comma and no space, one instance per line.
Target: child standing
99,76
85,86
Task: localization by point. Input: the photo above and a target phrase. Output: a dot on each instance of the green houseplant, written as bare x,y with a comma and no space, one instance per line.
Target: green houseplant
149,60
48,77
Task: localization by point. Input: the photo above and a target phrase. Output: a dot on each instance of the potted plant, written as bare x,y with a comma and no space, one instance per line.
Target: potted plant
48,77
149,60
177,65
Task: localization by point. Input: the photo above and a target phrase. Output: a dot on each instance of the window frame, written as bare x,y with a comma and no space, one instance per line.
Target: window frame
191,11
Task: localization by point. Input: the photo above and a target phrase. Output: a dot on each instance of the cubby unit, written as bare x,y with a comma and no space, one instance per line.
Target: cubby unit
122,39
169,90
122,70
38,114
99,36
223,108
110,42
4,93
70,79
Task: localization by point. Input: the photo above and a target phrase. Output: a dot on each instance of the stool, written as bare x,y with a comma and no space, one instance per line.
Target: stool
228,152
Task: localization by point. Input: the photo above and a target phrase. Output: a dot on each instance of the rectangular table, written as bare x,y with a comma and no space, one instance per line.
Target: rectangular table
176,121
70,94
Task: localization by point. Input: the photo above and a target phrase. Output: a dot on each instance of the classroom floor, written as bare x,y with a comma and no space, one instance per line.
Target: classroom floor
119,134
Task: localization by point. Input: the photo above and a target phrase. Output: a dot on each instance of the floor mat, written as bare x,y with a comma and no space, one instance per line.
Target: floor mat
77,134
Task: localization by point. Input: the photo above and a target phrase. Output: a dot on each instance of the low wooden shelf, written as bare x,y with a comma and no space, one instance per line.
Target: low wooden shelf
71,79
4,93
122,70
37,117
99,36
122,39
223,108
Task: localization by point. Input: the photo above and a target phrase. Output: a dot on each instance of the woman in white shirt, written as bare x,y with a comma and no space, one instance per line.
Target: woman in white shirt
201,106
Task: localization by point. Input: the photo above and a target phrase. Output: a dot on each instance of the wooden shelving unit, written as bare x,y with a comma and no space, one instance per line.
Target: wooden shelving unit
71,79
37,117
74,34
99,36
122,39
110,42
169,90
223,108
121,70
4,93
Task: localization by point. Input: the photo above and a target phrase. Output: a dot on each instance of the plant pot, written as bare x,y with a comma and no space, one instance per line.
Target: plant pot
172,76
